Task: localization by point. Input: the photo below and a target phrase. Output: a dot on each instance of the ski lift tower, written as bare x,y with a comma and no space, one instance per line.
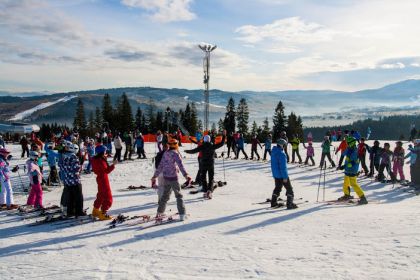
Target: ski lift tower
207,49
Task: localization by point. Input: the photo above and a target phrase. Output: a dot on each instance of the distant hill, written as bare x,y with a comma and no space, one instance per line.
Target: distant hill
316,106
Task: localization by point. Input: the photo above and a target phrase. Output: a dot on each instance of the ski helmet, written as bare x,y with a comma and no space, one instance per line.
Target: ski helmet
4,152
351,141
281,142
33,155
206,139
101,149
173,143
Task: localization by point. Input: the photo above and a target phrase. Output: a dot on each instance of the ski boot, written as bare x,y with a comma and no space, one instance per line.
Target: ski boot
96,212
182,217
345,197
289,204
103,216
362,200
209,194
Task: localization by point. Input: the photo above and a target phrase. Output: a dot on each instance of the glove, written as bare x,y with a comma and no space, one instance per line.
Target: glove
16,168
154,185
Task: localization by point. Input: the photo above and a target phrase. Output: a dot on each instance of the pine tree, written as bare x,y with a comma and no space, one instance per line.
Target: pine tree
221,125
254,129
186,120
200,125
91,127
159,121
299,126
279,120
265,130
138,119
213,127
150,116
194,119
125,115
242,116
97,125
79,119
293,126
230,115
107,112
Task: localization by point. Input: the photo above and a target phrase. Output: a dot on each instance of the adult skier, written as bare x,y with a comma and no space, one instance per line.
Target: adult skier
281,176
198,178
254,146
351,169
207,162
171,161
230,142
139,143
118,147
413,154
24,144
101,168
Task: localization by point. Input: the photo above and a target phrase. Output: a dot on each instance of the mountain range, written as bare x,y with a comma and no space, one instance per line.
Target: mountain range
317,107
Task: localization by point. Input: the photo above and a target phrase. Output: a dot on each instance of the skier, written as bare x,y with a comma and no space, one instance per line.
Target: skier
283,136
128,141
52,158
267,146
207,162
70,168
118,147
281,176
385,164
351,168
160,179
168,166
254,146
140,146
35,179
24,143
101,168
6,191
326,152
240,146
159,138
339,134
197,180
342,148
310,153
412,155
295,148
398,161
230,142
375,157
90,151
361,152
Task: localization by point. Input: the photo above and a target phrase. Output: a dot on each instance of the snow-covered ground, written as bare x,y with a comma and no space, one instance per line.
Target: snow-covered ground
229,237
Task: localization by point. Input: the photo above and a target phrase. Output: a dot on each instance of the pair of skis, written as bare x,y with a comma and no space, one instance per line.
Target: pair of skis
145,221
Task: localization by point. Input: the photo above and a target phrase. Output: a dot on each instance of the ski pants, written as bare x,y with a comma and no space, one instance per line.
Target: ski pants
373,165
161,185
254,150
363,164
128,151
381,175
232,146
243,151
168,188
141,153
25,150
64,197
35,195
75,200
267,151
198,176
210,170
328,155
53,176
352,181
277,189
6,193
109,148
309,158
398,168
104,196
296,152
117,155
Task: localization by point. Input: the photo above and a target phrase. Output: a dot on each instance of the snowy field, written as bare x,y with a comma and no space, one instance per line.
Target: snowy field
229,237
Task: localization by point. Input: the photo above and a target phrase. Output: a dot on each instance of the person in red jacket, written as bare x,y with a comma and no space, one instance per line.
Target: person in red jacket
343,147
101,168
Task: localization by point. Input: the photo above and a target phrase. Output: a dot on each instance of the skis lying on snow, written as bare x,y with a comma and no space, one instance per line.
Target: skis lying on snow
348,202
150,220
216,185
163,221
283,206
134,188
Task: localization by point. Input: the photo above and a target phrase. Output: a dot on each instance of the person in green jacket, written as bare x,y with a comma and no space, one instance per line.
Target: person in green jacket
295,148
326,151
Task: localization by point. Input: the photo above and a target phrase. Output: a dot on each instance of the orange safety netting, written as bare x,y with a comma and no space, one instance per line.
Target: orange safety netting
184,139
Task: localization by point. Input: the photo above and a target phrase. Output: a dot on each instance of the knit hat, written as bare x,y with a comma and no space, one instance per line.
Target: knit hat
351,141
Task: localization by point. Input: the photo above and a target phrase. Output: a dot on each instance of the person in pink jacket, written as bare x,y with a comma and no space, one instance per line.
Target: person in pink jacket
35,178
310,153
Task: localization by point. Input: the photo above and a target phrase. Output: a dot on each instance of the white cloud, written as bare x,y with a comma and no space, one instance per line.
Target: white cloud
397,65
164,10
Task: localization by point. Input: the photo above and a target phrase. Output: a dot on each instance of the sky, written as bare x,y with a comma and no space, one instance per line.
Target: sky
262,45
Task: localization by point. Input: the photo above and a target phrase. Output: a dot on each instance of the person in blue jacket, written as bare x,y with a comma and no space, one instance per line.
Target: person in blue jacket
240,147
281,176
351,170
52,158
139,143
267,146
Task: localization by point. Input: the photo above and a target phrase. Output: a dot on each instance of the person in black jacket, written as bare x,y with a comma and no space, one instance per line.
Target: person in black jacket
207,150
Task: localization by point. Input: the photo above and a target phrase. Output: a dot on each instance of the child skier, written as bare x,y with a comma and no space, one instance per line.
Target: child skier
197,180
254,146
168,166
295,148
35,179
351,169
385,164
326,152
341,148
240,146
281,176
412,155
70,168
361,152
207,162
139,143
6,191
101,168
267,146
398,161
52,158
310,153
375,157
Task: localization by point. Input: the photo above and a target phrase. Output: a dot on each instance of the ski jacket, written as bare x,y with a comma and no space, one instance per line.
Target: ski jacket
357,135
310,151
295,143
326,147
34,173
352,162
171,161
118,142
101,168
375,154
413,155
254,143
70,169
398,155
386,157
240,142
267,143
139,142
279,163
24,142
128,140
52,156
361,149
4,170
199,143
207,150
342,147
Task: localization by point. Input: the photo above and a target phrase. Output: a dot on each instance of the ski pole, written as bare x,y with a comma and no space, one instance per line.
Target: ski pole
325,170
223,162
319,183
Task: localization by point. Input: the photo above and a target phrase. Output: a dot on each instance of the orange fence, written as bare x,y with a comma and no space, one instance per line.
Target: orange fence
185,139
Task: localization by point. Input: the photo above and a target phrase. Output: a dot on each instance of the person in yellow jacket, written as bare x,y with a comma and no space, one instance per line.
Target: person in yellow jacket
295,148
351,168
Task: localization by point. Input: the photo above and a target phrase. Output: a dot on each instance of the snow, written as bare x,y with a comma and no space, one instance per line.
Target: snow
229,237
27,113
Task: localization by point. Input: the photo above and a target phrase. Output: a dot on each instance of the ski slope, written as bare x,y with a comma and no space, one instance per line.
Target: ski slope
229,237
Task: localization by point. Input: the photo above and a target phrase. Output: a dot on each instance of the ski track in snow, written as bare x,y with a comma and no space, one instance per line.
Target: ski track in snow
228,237
27,113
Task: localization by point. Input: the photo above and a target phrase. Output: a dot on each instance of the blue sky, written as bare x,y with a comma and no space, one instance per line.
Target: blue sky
263,45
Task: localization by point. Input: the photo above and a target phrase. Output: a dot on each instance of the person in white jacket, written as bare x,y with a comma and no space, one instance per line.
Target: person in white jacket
118,147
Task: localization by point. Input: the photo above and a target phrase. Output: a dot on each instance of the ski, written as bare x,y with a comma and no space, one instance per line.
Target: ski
268,200
166,220
282,205
129,221
76,222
